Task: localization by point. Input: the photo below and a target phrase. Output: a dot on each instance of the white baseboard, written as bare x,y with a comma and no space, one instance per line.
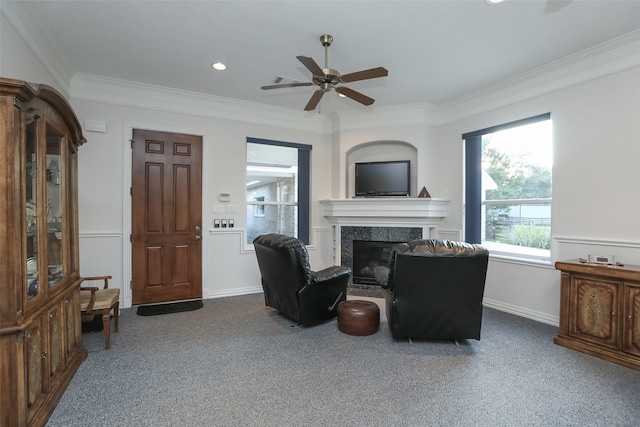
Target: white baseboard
522,312
234,292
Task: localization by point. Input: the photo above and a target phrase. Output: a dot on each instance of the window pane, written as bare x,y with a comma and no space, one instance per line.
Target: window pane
54,208
516,188
280,219
271,190
31,163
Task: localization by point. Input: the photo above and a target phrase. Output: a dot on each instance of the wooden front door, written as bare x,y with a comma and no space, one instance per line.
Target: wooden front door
166,204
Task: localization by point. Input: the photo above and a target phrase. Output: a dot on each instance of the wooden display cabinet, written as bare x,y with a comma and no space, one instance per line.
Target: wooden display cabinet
600,311
40,325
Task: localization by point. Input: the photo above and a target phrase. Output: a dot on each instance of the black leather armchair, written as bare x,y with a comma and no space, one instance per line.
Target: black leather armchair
289,285
434,289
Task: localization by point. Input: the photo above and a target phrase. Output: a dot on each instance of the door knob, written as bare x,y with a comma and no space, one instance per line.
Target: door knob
197,237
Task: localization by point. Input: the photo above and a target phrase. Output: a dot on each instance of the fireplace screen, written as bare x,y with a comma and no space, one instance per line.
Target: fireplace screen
367,255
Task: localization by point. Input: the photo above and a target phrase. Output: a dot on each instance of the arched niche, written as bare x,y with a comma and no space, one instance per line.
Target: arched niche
380,151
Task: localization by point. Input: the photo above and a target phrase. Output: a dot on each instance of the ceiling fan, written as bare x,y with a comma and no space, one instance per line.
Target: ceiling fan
328,78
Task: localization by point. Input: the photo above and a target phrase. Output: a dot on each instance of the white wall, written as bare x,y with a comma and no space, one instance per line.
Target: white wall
229,267
596,184
596,180
18,61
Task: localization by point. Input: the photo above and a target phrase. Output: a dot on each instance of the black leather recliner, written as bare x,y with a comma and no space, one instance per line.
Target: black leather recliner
289,285
434,289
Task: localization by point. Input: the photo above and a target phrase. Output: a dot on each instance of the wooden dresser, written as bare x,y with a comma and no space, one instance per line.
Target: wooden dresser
600,311
40,325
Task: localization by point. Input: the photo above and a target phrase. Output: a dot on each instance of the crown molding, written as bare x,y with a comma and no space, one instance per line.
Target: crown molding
90,87
399,115
597,61
39,40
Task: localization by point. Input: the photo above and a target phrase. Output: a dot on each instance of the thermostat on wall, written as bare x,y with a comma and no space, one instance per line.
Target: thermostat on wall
602,259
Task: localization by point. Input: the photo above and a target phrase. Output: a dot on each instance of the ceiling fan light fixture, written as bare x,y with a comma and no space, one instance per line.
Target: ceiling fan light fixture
327,78
219,66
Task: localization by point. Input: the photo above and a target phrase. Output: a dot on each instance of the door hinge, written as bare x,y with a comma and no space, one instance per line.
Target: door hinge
130,284
132,141
131,237
131,191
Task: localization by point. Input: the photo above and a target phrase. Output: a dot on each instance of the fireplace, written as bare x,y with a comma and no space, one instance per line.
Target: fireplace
367,255
383,237
393,219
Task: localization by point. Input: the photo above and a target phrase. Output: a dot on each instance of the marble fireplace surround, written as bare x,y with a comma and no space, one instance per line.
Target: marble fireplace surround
381,219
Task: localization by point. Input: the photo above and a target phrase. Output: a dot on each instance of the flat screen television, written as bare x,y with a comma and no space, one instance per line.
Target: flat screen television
380,179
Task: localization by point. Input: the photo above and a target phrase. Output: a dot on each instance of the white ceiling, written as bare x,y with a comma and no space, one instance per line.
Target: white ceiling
435,50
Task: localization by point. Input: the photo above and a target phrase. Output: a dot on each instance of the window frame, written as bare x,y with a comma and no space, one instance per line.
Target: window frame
304,183
473,189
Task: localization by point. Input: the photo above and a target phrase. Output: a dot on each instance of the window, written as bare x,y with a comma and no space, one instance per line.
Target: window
277,189
258,209
508,187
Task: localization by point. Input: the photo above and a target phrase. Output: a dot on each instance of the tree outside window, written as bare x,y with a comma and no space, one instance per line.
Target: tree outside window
514,215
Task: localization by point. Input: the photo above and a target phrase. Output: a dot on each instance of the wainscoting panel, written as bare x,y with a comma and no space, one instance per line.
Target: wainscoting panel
454,235
563,248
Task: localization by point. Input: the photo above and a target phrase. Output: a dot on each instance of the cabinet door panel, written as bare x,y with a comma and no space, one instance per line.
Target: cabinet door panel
595,317
56,341
71,310
35,356
632,320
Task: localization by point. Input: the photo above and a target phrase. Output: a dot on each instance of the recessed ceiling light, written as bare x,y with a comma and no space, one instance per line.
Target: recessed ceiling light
494,1
219,66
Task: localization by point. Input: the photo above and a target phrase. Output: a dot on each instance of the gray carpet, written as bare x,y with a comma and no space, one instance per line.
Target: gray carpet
236,362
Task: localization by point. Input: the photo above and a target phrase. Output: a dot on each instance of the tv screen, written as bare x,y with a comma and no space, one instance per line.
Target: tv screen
376,179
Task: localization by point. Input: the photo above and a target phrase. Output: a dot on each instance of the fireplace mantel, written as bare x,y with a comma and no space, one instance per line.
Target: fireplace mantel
381,219
384,210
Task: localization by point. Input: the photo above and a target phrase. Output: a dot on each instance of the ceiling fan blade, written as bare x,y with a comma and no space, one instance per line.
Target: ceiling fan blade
356,96
311,65
313,102
286,85
365,74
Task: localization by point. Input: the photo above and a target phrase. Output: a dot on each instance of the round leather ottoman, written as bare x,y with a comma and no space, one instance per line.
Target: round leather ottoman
358,317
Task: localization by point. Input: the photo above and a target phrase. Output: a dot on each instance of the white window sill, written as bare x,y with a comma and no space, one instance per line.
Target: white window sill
518,254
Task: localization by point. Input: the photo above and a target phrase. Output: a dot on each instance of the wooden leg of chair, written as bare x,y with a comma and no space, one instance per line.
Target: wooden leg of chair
107,335
116,311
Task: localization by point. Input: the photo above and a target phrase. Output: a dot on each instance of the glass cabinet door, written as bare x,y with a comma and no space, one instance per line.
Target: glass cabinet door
31,162
70,186
55,210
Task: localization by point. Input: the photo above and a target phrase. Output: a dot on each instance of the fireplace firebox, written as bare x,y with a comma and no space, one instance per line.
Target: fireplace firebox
367,255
